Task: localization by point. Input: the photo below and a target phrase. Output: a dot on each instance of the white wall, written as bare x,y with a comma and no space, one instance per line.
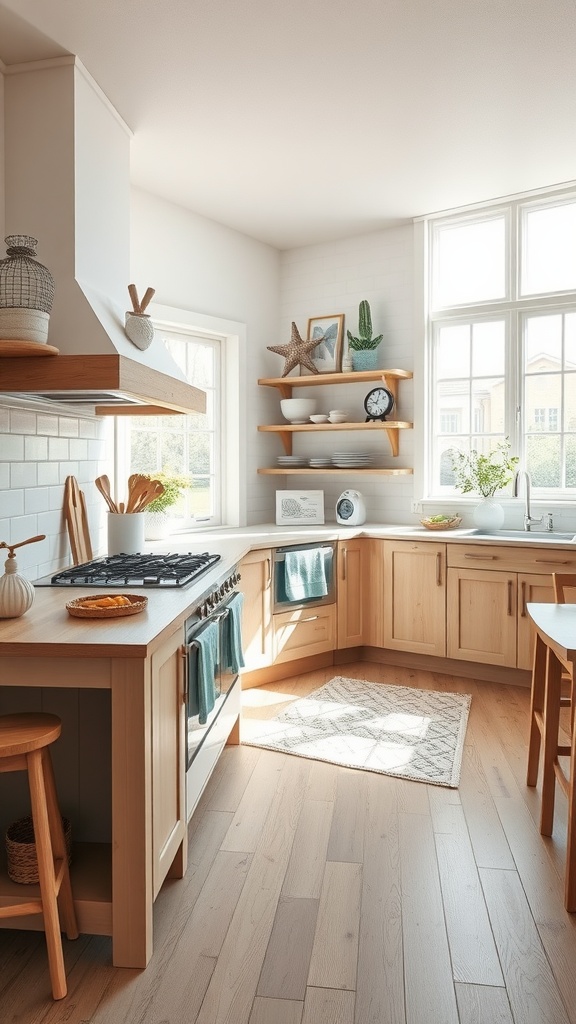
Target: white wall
334,278
199,265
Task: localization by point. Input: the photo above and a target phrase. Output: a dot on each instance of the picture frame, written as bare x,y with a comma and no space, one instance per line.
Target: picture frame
299,508
327,357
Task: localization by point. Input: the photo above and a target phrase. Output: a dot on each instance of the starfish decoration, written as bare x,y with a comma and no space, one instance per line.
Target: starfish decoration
297,352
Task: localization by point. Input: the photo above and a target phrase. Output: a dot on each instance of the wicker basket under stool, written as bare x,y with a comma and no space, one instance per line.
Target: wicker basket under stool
21,850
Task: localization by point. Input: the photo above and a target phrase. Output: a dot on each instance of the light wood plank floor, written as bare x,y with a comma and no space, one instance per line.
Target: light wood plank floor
322,895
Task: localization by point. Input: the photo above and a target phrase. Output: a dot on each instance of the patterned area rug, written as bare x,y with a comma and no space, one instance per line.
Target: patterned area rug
395,730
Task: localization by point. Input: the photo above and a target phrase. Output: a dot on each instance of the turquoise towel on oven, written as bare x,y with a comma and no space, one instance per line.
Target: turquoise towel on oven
233,657
305,574
207,641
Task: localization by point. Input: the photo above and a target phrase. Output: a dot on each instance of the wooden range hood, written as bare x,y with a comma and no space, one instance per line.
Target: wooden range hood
113,384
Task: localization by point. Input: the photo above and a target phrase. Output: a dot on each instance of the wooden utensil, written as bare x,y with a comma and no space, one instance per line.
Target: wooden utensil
103,485
148,294
136,483
77,521
148,494
134,298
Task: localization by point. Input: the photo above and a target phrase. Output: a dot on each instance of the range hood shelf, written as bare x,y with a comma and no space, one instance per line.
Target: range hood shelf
111,383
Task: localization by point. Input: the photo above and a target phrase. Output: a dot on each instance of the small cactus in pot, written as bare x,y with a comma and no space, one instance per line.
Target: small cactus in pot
363,347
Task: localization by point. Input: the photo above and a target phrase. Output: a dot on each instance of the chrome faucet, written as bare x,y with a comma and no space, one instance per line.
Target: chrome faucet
528,518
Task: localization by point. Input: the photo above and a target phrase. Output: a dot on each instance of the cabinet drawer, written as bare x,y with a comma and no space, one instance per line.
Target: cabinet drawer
304,632
511,559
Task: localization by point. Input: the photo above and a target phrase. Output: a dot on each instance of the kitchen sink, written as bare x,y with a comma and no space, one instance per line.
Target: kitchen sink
537,535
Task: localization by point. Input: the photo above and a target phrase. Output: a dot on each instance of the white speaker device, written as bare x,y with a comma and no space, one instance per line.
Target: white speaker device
350,509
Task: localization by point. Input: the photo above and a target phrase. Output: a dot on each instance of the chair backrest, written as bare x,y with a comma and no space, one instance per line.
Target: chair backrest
564,581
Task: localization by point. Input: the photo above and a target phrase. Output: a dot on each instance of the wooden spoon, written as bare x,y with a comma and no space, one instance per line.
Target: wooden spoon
148,294
136,483
134,297
148,494
103,485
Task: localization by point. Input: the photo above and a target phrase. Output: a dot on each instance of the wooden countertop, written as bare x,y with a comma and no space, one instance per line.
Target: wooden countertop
47,630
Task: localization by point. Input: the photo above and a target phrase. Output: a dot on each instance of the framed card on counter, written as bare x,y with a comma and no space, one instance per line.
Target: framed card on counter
299,508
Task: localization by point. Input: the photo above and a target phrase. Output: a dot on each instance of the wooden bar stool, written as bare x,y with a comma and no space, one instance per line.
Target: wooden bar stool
555,652
562,582
24,742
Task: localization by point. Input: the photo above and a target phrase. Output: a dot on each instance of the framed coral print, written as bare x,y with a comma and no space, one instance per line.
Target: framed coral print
327,356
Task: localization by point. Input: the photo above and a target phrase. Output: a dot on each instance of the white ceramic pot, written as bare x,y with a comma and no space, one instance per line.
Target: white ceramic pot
157,525
488,515
16,592
125,533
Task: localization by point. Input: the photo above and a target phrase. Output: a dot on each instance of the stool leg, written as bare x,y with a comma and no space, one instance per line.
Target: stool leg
536,705
570,876
551,727
66,901
46,874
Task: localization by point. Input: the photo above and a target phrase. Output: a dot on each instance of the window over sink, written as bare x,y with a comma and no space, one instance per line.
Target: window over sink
501,339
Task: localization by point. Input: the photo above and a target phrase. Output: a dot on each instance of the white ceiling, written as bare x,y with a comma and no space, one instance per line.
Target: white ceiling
309,120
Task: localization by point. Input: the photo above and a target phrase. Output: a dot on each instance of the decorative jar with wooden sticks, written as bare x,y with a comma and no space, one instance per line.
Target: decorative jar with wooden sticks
139,328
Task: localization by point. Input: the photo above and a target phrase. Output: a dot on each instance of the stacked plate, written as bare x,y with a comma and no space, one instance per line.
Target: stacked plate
347,460
291,461
320,463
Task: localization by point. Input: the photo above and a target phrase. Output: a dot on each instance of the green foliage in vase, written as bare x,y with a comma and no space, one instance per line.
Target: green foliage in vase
364,340
173,486
484,474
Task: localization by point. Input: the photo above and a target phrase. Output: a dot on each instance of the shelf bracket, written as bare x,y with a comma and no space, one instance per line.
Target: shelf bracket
393,437
286,441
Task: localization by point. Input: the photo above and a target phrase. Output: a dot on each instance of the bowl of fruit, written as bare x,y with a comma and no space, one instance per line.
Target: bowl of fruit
441,522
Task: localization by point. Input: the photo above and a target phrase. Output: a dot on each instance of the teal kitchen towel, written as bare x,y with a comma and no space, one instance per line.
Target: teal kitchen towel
233,658
305,574
207,642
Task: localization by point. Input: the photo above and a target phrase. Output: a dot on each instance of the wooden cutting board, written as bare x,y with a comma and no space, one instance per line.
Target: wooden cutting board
77,521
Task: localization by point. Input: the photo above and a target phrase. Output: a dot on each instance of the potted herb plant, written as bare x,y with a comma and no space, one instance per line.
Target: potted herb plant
158,521
363,348
476,473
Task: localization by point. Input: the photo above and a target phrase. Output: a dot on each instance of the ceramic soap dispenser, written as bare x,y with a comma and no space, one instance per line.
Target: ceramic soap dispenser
16,592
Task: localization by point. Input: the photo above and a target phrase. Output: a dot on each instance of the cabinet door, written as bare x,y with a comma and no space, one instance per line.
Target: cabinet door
256,584
482,616
168,716
530,588
351,582
415,597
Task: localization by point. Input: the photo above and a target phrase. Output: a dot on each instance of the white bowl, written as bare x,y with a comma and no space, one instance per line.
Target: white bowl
320,418
338,412
298,410
340,417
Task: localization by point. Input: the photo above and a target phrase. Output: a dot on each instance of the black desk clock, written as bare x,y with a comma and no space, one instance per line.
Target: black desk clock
378,403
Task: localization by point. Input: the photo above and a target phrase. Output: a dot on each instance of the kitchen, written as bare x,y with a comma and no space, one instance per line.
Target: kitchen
220,271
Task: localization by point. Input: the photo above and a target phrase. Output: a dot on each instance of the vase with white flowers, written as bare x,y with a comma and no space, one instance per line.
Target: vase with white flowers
485,474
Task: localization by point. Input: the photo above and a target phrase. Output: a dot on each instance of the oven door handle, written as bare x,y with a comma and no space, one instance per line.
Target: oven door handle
280,556
184,667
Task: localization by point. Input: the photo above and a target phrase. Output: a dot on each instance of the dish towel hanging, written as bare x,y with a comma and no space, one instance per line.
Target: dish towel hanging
207,643
305,574
233,657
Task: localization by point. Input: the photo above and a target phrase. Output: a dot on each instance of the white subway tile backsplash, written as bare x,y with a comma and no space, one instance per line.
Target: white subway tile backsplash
37,499
68,426
58,449
4,474
78,448
13,502
23,474
12,448
48,473
47,425
68,469
22,421
36,449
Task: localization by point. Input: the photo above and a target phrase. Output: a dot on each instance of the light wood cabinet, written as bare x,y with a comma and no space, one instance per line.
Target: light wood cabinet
168,718
530,588
304,632
415,597
256,585
481,616
352,579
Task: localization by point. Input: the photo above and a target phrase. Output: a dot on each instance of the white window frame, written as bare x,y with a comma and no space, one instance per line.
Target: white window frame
513,306
232,335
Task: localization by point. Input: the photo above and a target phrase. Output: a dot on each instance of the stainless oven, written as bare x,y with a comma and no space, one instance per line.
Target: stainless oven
303,576
213,657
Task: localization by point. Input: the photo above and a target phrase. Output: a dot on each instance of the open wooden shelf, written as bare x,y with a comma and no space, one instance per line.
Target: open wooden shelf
306,471
285,385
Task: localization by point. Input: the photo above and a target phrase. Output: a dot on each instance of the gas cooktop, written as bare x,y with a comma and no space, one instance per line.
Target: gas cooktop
135,571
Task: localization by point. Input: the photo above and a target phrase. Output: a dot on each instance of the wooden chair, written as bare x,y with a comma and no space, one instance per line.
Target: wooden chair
562,582
24,742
